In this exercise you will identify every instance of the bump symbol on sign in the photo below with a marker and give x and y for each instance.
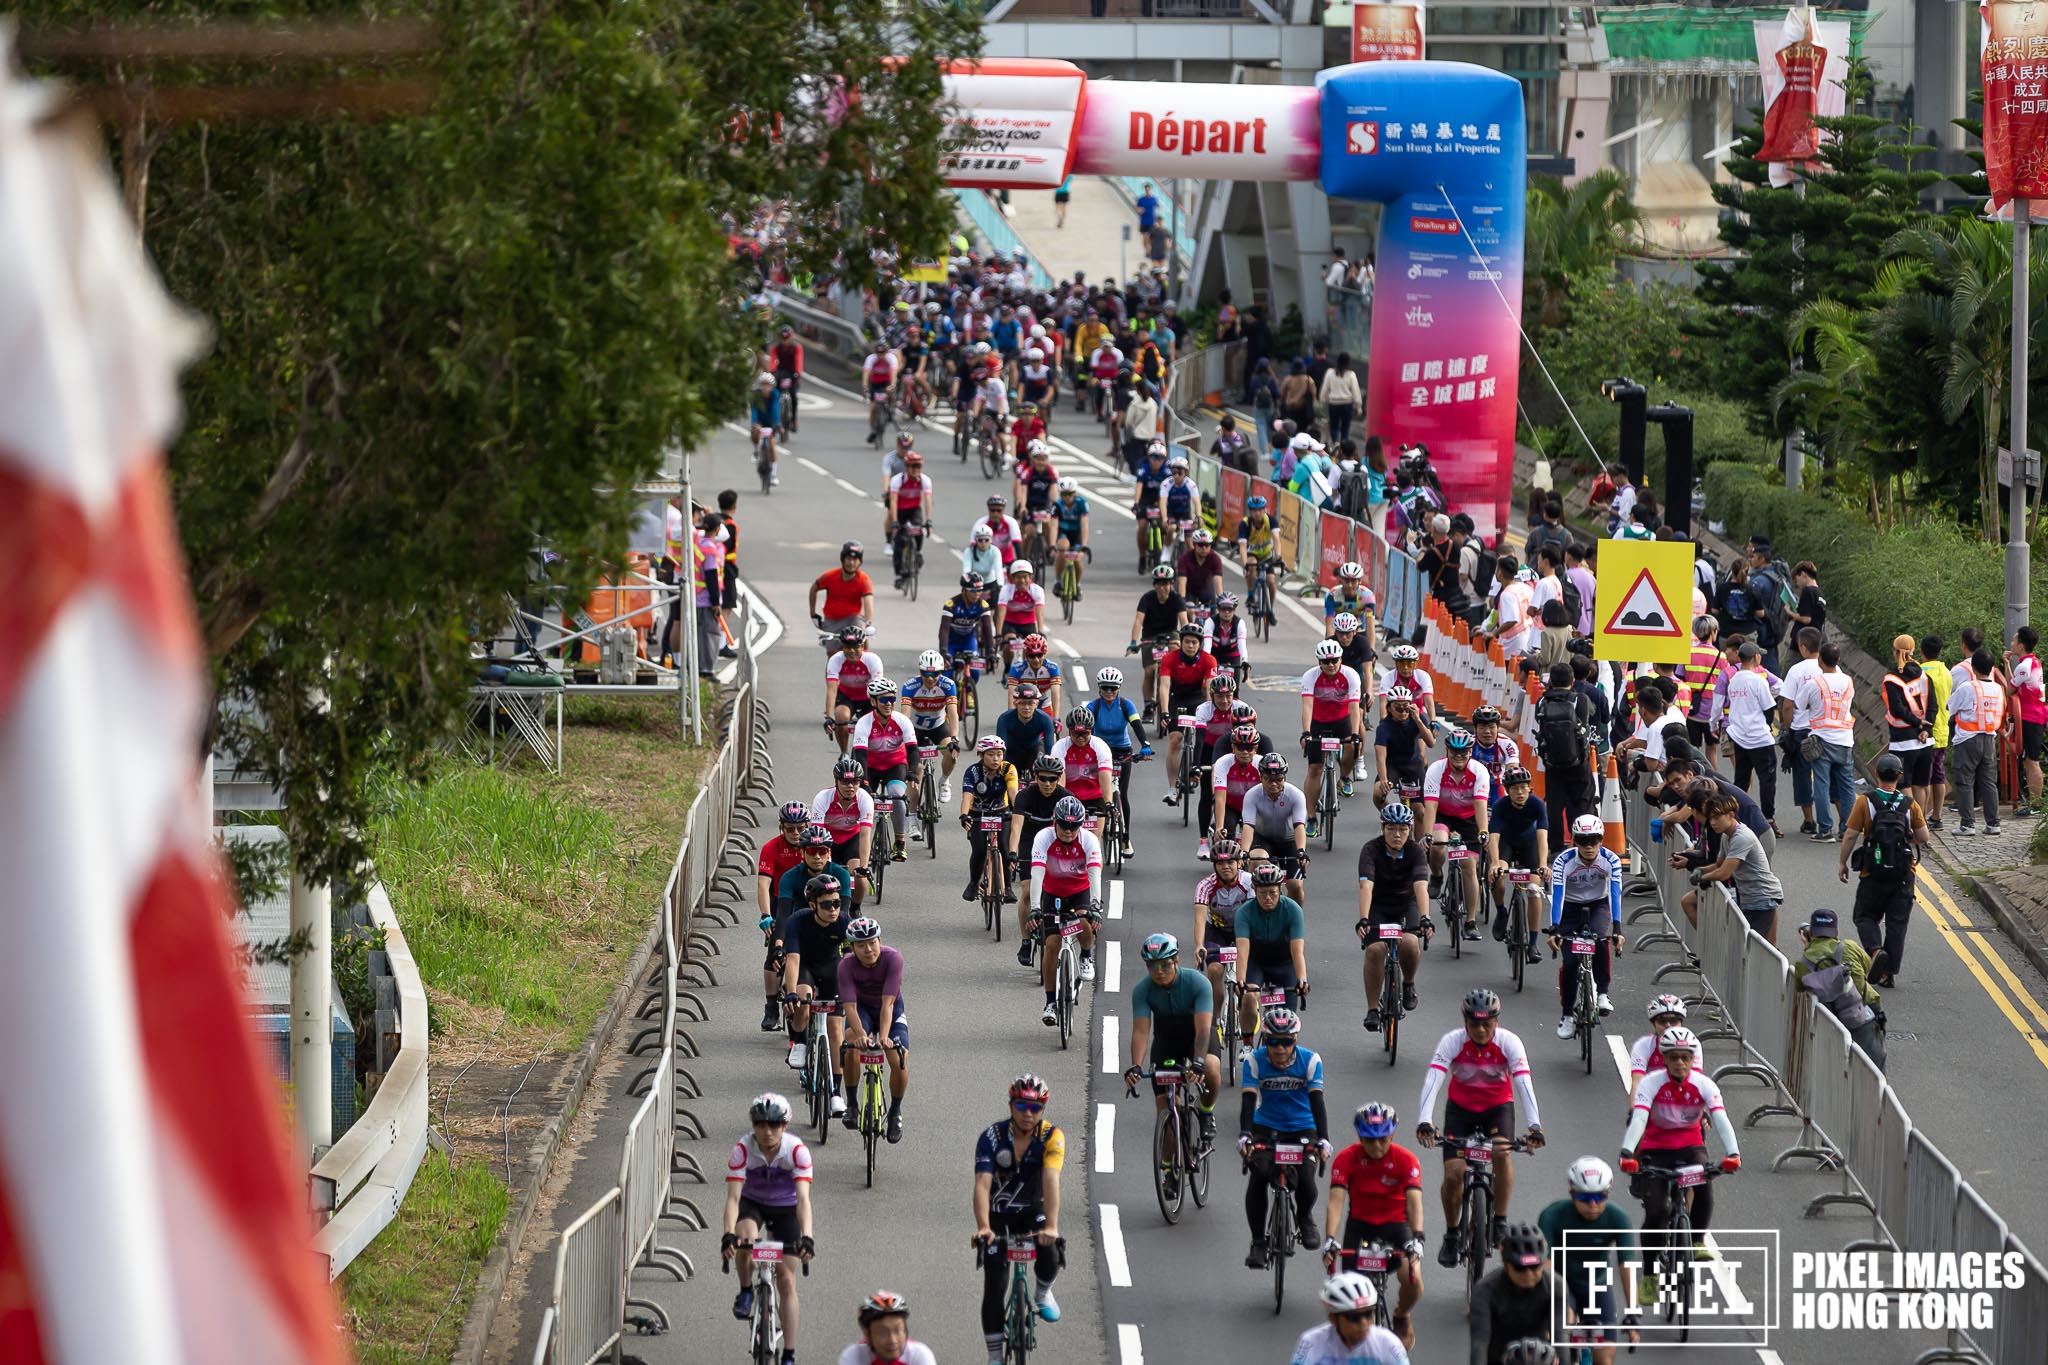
(1643, 610)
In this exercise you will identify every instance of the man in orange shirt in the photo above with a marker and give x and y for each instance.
(848, 592)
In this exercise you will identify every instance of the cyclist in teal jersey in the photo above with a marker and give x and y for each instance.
(1071, 512)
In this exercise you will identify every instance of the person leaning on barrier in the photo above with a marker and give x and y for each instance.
(1837, 972)
(1882, 842)
(1738, 860)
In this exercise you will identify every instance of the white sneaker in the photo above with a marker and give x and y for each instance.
(797, 1053)
(946, 792)
(838, 1105)
(1606, 1005)
(1051, 1016)
(774, 480)
(1087, 969)
(1358, 769)
(1048, 1306)
(917, 836)
(1202, 849)
(1566, 1029)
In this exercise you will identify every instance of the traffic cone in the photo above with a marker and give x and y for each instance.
(1613, 837)
(1496, 676)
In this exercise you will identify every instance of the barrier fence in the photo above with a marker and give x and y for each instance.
(1851, 1120)
(597, 1254)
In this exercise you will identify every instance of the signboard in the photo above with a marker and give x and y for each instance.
(1014, 125)
(1230, 504)
(926, 272)
(1804, 64)
(1286, 513)
(1386, 33)
(2013, 46)
(2005, 467)
(1206, 132)
(1336, 541)
(1643, 601)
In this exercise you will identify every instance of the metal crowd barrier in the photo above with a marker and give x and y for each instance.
(592, 1303)
(1851, 1120)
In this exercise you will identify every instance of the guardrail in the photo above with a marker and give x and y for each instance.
(362, 1179)
(826, 328)
(1851, 1120)
(592, 1301)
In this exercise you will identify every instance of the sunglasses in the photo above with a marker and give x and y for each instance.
(829, 905)
(1589, 1199)
(1026, 1106)
(1354, 1318)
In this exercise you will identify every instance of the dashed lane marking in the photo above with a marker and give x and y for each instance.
(1109, 1048)
(1116, 900)
(814, 466)
(1112, 966)
(1105, 1139)
(1130, 1348)
(1113, 1253)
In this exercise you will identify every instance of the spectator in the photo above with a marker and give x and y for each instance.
(1796, 723)
(1264, 396)
(1319, 364)
(1625, 495)
(710, 575)
(1140, 424)
(728, 508)
(1377, 497)
(1148, 209)
(1826, 696)
(1232, 448)
(1740, 862)
(1812, 608)
(1939, 684)
(1341, 396)
(1745, 716)
(1976, 708)
(1337, 275)
(1909, 730)
(1258, 340)
(1580, 572)
(1550, 531)
(1838, 974)
(2025, 669)
(1553, 644)
(1298, 394)
(1549, 585)
(1885, 833)
(1439, 562)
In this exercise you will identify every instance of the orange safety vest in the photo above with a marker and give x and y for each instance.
(1834, 704)
(1915, 693)
(1989, 713)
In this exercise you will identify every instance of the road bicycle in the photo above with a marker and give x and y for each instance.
(1327, 790)
(1120, 808)
(884, 845)
(764, 457)
(1521, 921)
(1288, 1159)
(1585, 1004)
(1389, 933)
(872, 1117)
(1180, 1164)
(1476, 1202)
(1020, 1304)
(994, 867)
(1038, 544)
(1259, 603)
(1067, 975)
(928, 812)
(907, 553)
(1155, 542)
(1376, 1263)
(1068, 587)
(881, 417)
(1671, 1266)
(764, 1325)
(1110, 829)
(816, 1076)
(1186, 767)
(1229, 1032)
(966, 692)
(988, 445)
(1455, 853)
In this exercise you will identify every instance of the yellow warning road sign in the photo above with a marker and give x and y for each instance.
(1642, 605)
(926, 272)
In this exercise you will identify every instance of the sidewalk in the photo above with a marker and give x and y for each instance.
(1092, 240)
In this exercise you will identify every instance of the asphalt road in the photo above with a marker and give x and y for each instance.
(1135, 1287)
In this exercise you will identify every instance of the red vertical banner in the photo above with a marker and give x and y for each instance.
(1336, 548)
(1230, 504)
(2014, 52)
(1789, 131)
(1386, 33)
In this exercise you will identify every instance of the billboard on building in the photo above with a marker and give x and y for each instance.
(1386, 33)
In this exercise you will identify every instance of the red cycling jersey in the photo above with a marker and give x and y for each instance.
(1378, 1190)
(1065, 866)
(778, 856)
(1675, 1109)
(882, 739)
(1232, 779)
(1331, 693)
(1184, 673)
(1458, 795)
(1085, 763)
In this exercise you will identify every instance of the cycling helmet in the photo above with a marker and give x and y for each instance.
(815, 836)
(1345, 623)
(848, 769)
(903, 440)
(911, 458)
(1268, 874)
(1162, 573)
(1080, 719)
(1069, 486)
(1160, 948)
(1245, 736)
(852, 547)
(1034, 353)
(1177, 462)
(1329, 649)
(1027, 692)
(852, 638)
(1201, 537)
(983, 535)
(765, 381)
(1515, 775)
(1405, 654)
(1255, 505)
(1273, 765)
(1190, 628)
(1158, 446)
(1486, 715)
(1020, 568)
(1349, 1292)
(1225, 601)
(1587, 827)
(1225, 851)
(1458, 741)
(1528, 1351)
(988, 744)
(1037, 334)
(931, 661)
(1522, 1246)
(863, 930)
(1282, 1022)
(1045, 765)
(1350, 570)
(885, 1303)
(1224, 683)
(822, 884)
(1109, 677)
(1677, 1038)
(795, 813)
(1069, 812)
(1589, 1175)
(1481, 1003)
(769, 1108)
(1029, 1087)
(1242, 713)
(1397, 814)
(881, 689)
(1037, 448)
(1375, 1120)
(1665, 1004)
(997, 500)
(1400, 694)
(1034, 643)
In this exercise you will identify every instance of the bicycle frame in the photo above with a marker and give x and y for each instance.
(1391, 983)
(871, 1062)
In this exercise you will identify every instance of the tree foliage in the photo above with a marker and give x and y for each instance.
(1570, 233)
(438, 339)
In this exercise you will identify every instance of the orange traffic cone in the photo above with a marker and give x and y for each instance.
(1613, 837)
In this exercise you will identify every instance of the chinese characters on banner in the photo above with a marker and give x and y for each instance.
(1803, 63)
(1438, 383)
(2015, 59)
(1386, 33)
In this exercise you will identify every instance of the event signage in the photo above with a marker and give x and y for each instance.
(2014, 53)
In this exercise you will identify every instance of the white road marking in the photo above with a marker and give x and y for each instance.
(1105, 1139)
(1109, 1049)
(1767, 1356)
(1112, 966)
(1130, 1349)
(814, 467)
(1620, 1051)
(1116, 900)
(1113, 1253)
(1724, 1278)
(854, 489)
(1063, 647)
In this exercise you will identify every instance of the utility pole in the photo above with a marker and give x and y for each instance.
(313, 1014)
(1795, 440)
(2016, 558)
(1173, 247)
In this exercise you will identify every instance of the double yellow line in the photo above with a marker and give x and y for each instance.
(2012, 998)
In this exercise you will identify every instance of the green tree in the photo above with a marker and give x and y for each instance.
(1607, 327)
(1572, 232)
(439, 339)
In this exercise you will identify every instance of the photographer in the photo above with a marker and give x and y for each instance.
(1741, 864)
(1837, 971)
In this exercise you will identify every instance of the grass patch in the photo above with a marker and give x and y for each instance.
(407, 1295)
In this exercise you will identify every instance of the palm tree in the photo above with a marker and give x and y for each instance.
(1831, 397)
(1574, 231)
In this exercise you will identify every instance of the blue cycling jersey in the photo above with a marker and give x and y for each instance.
(1070, 514)
(1180, 499)
(1113, 721)
(1283, 1091)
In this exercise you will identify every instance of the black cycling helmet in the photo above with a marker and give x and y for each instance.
(1522, 1246)
(1069, 812)
(1481, 1003)
(971, 582)
(1268, 874)
(852, 547)
(1273, 765)
(1245, 737)
(1486, 715)
(1243, 713)
(1515, 776)
(820, 885)
(1163, 573)
(1045, 765)
(815, 836)
(1080, 719)
(852, 637)
(848, 769)
(1188, 628)
(795, 813)
(1225, 850)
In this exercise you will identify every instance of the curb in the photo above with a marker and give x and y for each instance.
(2017, 927)
(497, 1268)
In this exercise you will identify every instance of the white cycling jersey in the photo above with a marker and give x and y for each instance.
(914, 1353)
(1322, 1346)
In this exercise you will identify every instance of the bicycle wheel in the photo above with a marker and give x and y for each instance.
(767, 1340)
(1230, 1043)
(822, 1078)
(1329, 811)
(1017, 1336)
(991, 458)
(970, 709)
(1390, 1010)
(871, 1120)
(766, 473)
(1280, 1240)
(1454, 908)
(1195, 1159)
(1587, 1028)
(1518, 938)
(1063, 996)
(928, 810)
(1478, 1225)
(1167, 1181)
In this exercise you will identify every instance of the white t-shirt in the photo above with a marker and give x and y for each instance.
(1625, 502)
(1795, 678)
(995, 395)
(1752, 697)
(914, 1353)
(1516, 635)
(1548, 590)
(1320, 1345)
(1826, 697)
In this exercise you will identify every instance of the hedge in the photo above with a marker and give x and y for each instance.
(1926, 579)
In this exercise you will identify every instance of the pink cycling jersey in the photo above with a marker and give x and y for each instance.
(1065, 866)
(1676, 1109)
(1330, 694)
(1085, 763)
(1457, 795)
(884, 738)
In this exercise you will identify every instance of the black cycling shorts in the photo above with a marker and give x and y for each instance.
(1466, 827)
(778, 1222)
(857, 704)
(1461, 1123)
(1173, 1039)
(1318, 730)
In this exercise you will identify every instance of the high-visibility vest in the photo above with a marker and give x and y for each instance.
(1706, 659)
(1915, 693)
(1835, 713)
(672, 535)
(1989, 711)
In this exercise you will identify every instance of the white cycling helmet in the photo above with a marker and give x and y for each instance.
(1021, 568)
(1589, 1175)
(1329, 649)
(1665, 1004)
(1349, 1292)
(1678, 1038)
(984, 535)
(931, 661)
(1588, 827)
(1036, 449)
(1350, 569)
(881, 689)
(1109, 677)
(1405, 654)
(1069, 486)
(1158, 446)
(1034, 354)
(1037, 332)
(1345, 621)
(769, 1108)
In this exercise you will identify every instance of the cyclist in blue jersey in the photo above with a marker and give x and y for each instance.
(1183, 500)
(1585, 898)
(934, 704)
(967, 623)
(1350, 597)
(1071, 512)
(1119, 725)
(1150, 474)
(1282, 1086)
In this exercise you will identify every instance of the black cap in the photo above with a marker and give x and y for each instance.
(1823, 924)
(1889, 765)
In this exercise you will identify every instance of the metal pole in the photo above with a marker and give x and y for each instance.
(313, 1016)
(1795, 441)
(2016, 603)
(686, 581)
(1173, 247)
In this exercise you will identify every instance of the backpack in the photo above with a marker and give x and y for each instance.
(1771, 590)
(1887, 851)
(1834, 987)
(1574, 603)
(1560, 738)
(1482, 570)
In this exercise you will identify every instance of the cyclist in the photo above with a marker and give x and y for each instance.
(1232, 777)
(1037, 375)
(1002, 529)
(1070, 514)
(1489, 746)
(1455, 793)
(1028, 432)
(1017, 1163)
(1037, 483)
(886, 750)
(1182, 502)
(1038, 670)
(965, 621)
(811, 941)
(990, 786)
(847, 675)
(788, 355)
(1116, 722)
(1585, 898)
(878, 380)
(1217, 898)
(871, 997)
(1666, 1012)
(1349, 1337)
(1330, 700)
(885, 1334)
(1393, 888)
(1518, 839)
(934, 703)
(1066, 883)
(1183, 674)
(913, 390)
(1399, 743)
(1350, 598)
(1026, 731)
(1225, 637)
(912, 511)
(1105, 363)
(1282, 1089)
(992, 400)
(1271, 948)
(1484, 1070)
(768, 1191)
(1034, 806)
(1160, 615)
(980, 560)
(790, 893)
(1148, 475)
(1274, 822)
(1358, 657)
(1199, 570)
(1018, 606)
(1512, 1304)
(846, 809)
(764, 412)
(1404, 673)
(1210, 737)
(1089, 766)
(778, 855)
(1255, 536)
(967, 369)
(1376, 1200)
(1664, 1133)
(1173, 1011)
(1596, 1236)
